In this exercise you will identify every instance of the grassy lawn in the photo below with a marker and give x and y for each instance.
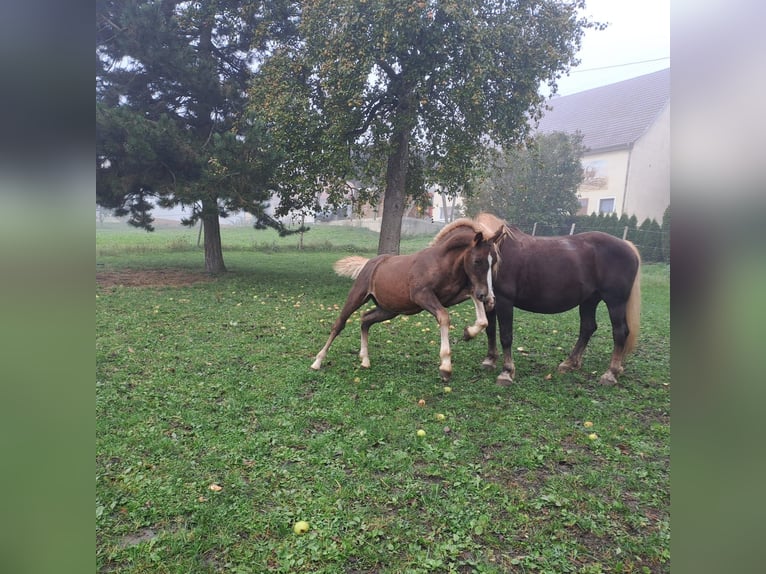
(214, 436)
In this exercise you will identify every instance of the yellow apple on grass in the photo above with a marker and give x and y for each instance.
(301, 527)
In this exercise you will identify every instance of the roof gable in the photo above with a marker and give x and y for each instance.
(611, 116)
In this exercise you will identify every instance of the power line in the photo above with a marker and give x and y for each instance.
(620, 65)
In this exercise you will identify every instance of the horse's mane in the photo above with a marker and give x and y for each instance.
(486, 224)
(463, 222)
(489, 224)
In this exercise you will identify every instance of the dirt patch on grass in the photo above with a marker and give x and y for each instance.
(150, 278)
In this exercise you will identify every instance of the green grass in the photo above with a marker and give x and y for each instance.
(119, 239)
(210, 384)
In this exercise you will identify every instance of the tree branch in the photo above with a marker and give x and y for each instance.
(370, 116)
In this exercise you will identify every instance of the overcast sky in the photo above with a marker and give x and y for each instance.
(638, 31)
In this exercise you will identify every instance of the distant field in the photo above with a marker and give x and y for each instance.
(214, 436)
(118, 238)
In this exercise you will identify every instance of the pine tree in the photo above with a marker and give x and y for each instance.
(172, 128)
(666, 235)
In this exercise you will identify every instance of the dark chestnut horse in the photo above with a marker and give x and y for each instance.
(555, 274)
(455, 266)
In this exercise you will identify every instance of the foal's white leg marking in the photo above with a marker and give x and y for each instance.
(481, 314)
(444, 351)
(363, 350)
(317, 364)
(481, 319)
(491, 294)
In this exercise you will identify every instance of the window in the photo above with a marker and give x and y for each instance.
(583, 209)
(606, 205)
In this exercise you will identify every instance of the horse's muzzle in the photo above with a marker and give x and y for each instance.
(489, 301)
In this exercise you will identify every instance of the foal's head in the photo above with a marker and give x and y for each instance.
(478, 264)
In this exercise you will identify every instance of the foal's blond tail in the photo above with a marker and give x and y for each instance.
(350, 266)
(633, 310)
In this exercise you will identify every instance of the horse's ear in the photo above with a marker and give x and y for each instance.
(500, 235)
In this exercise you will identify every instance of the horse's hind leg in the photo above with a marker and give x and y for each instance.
(371, 317)
(356, 298)
(620, 336)
(587, 328)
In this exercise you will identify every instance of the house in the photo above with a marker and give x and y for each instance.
(626, 131)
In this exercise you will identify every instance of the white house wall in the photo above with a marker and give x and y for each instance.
(604, 179)
(648, 190)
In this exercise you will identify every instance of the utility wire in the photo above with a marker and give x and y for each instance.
(619, 65)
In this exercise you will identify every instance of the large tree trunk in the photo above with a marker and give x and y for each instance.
(212, 227)
(393, 200)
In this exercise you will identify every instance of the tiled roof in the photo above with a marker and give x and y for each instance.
(612, 116)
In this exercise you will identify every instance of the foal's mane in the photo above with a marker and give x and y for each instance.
(486, 223)
(490, 223)
(462, 223)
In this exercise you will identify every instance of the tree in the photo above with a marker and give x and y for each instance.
(366, 89)
(171, 122)
(666, 235)
(533, 183)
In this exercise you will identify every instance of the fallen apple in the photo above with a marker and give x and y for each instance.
(301, 527)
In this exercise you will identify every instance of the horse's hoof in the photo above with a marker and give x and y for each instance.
(565, 367)
(489, 364)
(504, 379)
(445, 375)
(608, 379)
(467, 334)
(316, 365)
(366, 363)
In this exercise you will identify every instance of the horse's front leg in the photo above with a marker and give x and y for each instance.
(445, 353)
(504, 312)
(481, 321)
(490, 361)
(428, 301)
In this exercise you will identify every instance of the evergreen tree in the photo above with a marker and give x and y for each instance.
(172, 128)
(533, 183)
(655, 241)
(666, 235)
(644, 241)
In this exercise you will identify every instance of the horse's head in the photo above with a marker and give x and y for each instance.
(479, 266)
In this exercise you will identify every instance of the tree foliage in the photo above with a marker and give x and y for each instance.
(172, 126)
(535, 182)
(365, 89)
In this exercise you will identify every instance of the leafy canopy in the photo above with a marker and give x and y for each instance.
(533, 183)
(453, 75)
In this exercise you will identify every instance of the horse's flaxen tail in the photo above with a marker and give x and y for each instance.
(350, 266)
(633, 310)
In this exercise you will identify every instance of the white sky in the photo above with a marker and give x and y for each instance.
(639, 30)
